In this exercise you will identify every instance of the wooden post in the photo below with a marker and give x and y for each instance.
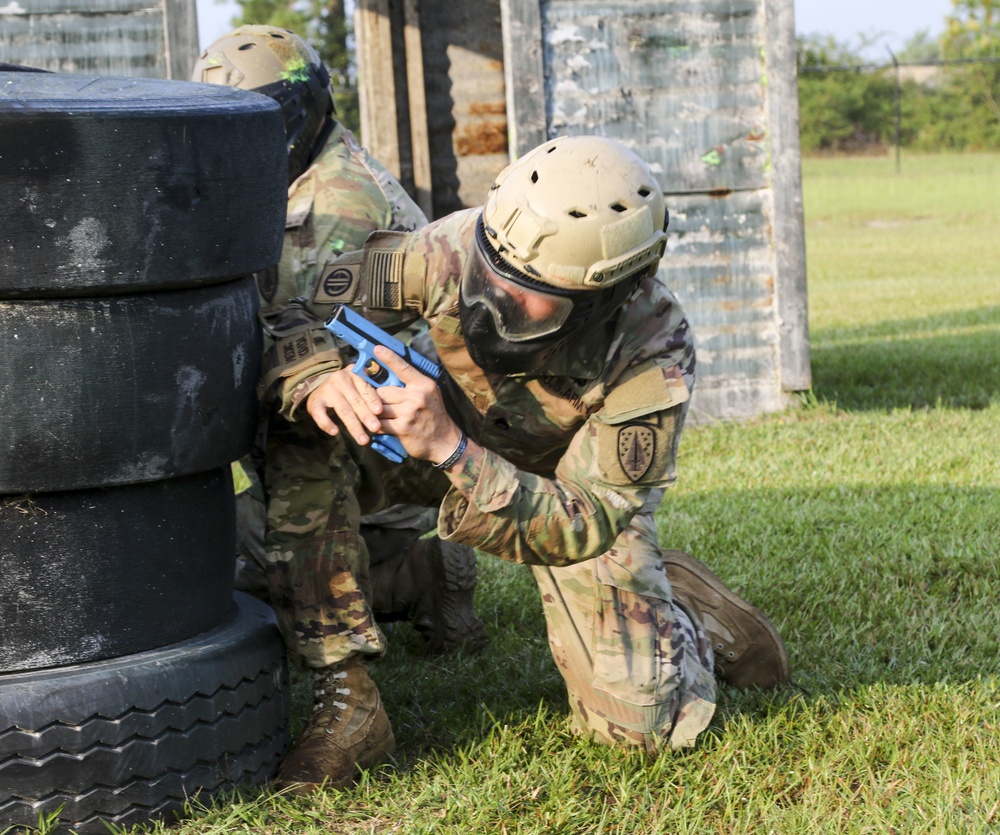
(180, 37)
(376, 82)
(391, 92)
(786, 188)
(419, 137)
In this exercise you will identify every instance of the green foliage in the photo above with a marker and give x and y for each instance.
(970, 97)
(955, 108)
(324, 24)
(973, 29)
(961, 113)
(919, 47)
(841, 109)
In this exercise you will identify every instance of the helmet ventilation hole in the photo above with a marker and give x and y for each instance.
(245, 46)
(534, 176)
(577, 213)
(618, 207)
(644, 192)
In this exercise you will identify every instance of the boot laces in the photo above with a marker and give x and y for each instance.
(326, 706)
(721, 651)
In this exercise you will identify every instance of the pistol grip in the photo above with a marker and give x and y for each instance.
(389, 446)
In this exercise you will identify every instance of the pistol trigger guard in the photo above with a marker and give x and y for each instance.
(360, 366)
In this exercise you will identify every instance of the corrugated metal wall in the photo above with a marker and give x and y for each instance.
(131, 38)
(704, 91)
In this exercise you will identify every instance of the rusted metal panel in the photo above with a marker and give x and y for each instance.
(108, 44)
(704, 91)
(720, 264)
(129, 38)
(691, 86)
(66, 6)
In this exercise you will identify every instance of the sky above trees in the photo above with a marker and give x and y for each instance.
(888, 22)
(883, 22)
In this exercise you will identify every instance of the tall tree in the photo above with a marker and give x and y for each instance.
(325, 25)
(973, 29)
(974, 33)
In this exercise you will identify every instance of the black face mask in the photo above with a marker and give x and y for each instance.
(496, 355)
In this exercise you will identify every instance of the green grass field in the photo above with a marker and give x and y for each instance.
(865, 523)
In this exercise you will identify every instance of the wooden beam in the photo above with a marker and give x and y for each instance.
(524, 75)
(180, 37)
(376, 82)
(786, 189)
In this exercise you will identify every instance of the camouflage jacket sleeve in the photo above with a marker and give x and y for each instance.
(332, 208)
(342, 198)
(613, 464)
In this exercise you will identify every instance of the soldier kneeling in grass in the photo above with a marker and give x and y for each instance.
(549, 439)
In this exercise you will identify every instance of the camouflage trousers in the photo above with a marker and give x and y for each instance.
(637, 665)
(636, 662)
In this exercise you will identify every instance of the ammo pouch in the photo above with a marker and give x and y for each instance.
(301, 347)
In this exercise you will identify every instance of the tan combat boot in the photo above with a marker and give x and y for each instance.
(748, 650)
(348, 730)
(432, 584)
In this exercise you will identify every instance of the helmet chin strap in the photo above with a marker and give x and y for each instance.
(325, 129)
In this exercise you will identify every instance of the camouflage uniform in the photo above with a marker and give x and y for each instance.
(341, 198)
(577, 459)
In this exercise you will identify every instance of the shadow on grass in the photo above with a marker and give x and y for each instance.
(873, 588)
(437, 702)
(893, 366)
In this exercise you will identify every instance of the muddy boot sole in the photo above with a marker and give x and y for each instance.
(349, 730)
(447, 618)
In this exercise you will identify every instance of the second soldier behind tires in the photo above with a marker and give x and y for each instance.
(338, 194)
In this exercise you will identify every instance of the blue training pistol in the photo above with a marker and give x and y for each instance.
(363, 336)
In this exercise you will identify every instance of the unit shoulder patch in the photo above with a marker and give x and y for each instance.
(636, 450)
(337, 283)
(636, 430)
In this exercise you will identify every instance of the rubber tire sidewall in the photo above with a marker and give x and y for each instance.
(125, 389)
(94, 574)
(132, 739)
(122, 184)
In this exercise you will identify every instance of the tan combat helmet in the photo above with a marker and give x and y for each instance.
(567, 236)
(580, 213)
(279, 64)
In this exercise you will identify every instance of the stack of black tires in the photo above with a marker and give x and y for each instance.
(132, 214)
